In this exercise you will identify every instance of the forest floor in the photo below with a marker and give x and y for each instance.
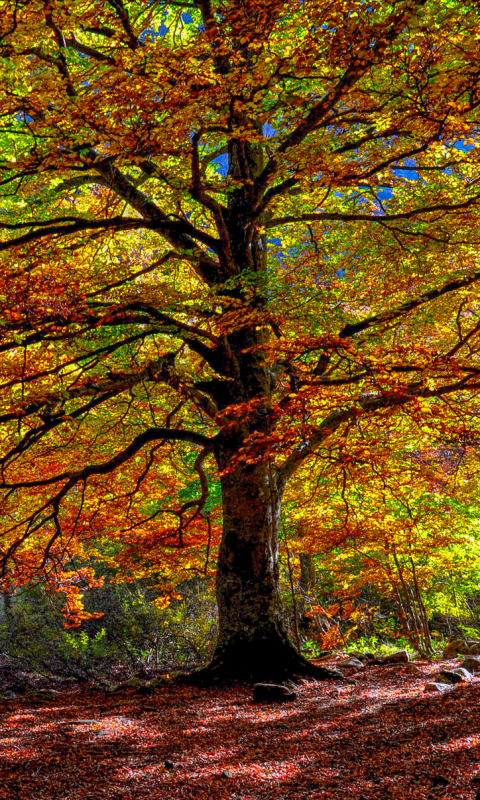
(380, 737)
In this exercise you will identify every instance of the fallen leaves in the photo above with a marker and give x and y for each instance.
(379, 738)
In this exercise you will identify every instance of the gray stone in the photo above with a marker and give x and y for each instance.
(471, 663)
(360, 656)
(43, 694)
(464, 673)
(471, 647)
(439, 678)
(399, 657)
(412, 669)
(453, 648)
(155, 683)
(352, 662)
(272, 693)
(227, 773)
(132, 683)
(452, 676)
(434, 686)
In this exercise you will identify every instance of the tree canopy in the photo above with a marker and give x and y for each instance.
(239, 243)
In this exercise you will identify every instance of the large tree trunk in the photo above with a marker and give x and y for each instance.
(253, 644)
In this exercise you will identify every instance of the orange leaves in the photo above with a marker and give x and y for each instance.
(67, 582)
(302, 287)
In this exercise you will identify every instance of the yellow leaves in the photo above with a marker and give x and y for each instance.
(161, 602)
(292, 368)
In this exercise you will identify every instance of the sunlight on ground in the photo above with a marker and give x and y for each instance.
(382, 737)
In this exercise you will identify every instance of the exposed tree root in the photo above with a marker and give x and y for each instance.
(232, 667)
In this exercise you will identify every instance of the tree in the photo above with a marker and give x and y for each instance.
(399, 520)
(235, 234)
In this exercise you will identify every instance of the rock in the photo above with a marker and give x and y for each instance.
(227, 773)
(155, 683)
(469, 648)
(132, 683)
(272, 693)
(146, 690)
(471, 663)
(452, 648)
(442, 679)
(351, 662)
(140, 687)
(399, 657)
(464, 674)
(168, 764)
(452, 676)
(412, 669)
(434, 686)
(43, 694)
(360, 656)
(332, 674)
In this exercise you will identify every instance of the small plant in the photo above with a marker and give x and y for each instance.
(471, 633)
(311, 649)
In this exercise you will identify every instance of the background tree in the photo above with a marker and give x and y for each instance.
(401, 521)
(235, 236)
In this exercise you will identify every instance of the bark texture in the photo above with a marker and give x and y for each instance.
(253, 644)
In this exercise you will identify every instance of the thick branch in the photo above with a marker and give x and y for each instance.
(325, 429)
(122, 14)
(48, 229)
(180, 233)
(365, 404)
(150, 435)
(410, 305)
(379, 218)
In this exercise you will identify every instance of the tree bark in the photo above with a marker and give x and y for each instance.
(253, 644)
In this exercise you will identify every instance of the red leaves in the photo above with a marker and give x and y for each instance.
(379, 738)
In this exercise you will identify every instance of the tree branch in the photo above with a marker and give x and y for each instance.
(355, 70)
(122, 14)
(452, 286)
(378, 218)
(49, 229)
(150, 435)
(86, 50)
(367, 404)
(179, 233)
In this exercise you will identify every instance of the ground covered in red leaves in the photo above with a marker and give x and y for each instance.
(381, 737)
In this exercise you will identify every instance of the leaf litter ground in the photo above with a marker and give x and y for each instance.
(381, 737)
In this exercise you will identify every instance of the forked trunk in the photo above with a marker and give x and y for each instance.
(253, 643)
